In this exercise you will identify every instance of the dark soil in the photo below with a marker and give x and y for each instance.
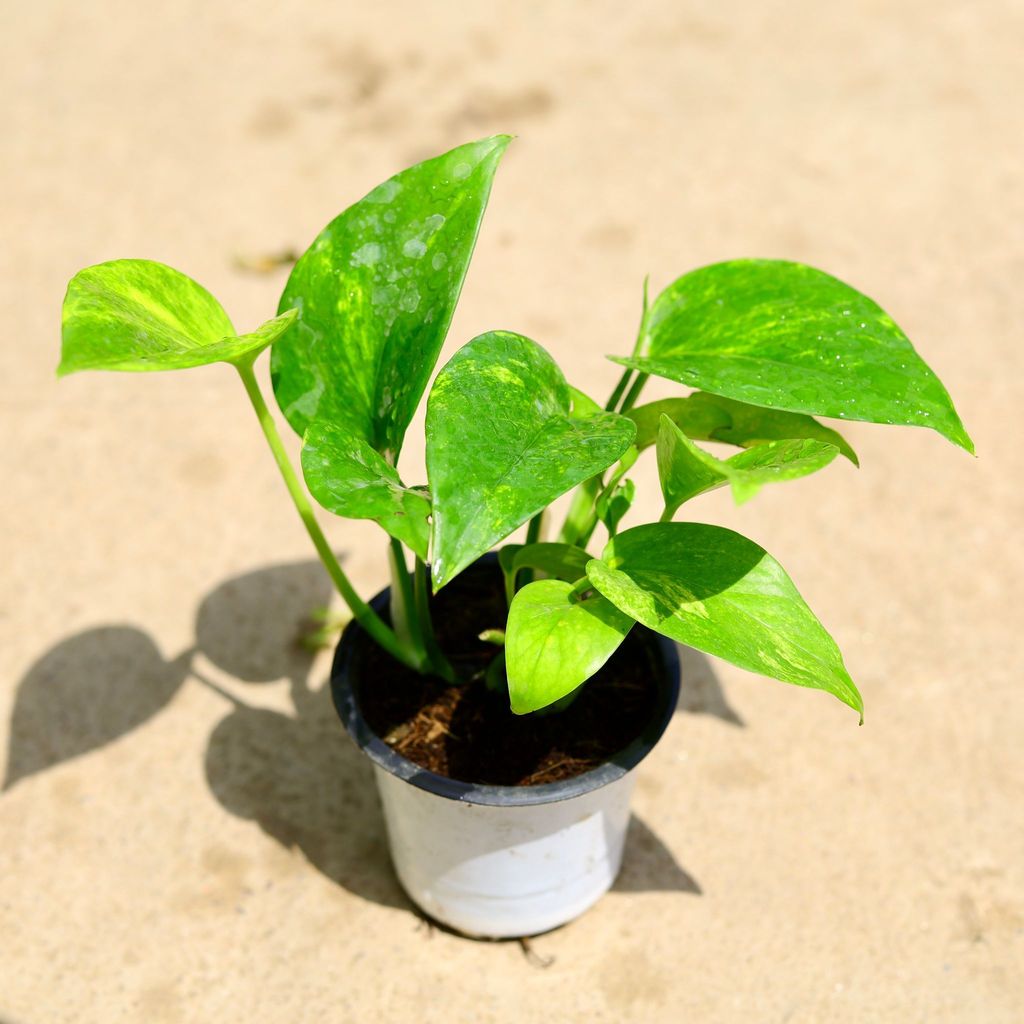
(467, 732)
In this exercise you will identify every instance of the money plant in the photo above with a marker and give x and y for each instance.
(760, 348)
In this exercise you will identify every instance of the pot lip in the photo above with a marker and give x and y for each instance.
(393, 763)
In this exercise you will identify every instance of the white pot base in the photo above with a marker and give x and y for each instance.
(505, 871)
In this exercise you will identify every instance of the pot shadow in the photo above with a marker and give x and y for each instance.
(649, 866)
(307, 787)
(297, 775)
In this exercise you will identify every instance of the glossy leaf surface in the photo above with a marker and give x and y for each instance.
(350, 479)
(137, 315)
(721, 593)
(554, 641)
(685, 470)
(786, 336)
(502, 445)
(376, 292)
(704, 417)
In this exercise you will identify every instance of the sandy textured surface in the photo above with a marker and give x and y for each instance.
(186, 836)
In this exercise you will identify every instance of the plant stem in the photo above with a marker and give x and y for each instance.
(634, 392)
(439, 664)
(361, 611)
(619, 389)
(404, 619)
(534, 533)
(580, 509)
(536, 528)
(581, 519)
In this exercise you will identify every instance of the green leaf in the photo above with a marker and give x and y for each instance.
(614, 503)
(555, 641)
(139, 315)
(376, 292)
(350, 479)
(714, 590)
(583, 406)
(563, 561)
(501, 445)
(686, 470)
(695, 420)
(507, 557)
(786, 336)
(704, 417)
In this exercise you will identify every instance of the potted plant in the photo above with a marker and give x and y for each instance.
(506, 698)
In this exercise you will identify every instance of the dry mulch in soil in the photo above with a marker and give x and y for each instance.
(467, 732)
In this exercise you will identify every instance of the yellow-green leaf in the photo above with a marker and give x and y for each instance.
(137, 315)
(786, 336)
(556, 640)
(721, 593)
(376, 292)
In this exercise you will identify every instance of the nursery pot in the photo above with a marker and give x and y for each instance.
(503, 861)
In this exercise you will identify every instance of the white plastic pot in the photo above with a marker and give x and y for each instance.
(503, 861)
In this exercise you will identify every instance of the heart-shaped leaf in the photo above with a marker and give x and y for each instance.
(704, 417)
(350, 479)
(686, 470)
(787, 336)
(712, 589)
(376, 292)
(554, 641)
(502, 445)
(139, 315)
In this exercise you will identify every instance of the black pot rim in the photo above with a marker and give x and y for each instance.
(343, 694)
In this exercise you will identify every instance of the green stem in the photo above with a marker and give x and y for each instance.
(404, 619)
(580, 521)
(534, 533)
(536, 528)
(580, 509)
(634, 392)
(361, 611)
(439, 664)
(619, 389)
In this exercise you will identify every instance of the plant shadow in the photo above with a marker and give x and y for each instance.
(296, 775)
(87, 691)
(700, 690)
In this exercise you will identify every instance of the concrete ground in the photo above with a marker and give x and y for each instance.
(186, 835)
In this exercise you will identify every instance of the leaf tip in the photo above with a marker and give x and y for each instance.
(856, 702)
(955, 432)
(963, 440)
(743, 492)
(492, 146)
